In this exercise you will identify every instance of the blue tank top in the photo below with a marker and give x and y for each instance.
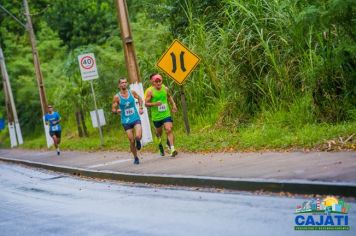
(50, 118)
(128, 109)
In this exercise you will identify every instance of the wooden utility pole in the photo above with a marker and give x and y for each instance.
(36, 60)
(131, 64)
(126, 36)
(7, 86)
(10, 116)
(10, 103)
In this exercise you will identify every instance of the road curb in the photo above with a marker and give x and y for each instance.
(298, 187)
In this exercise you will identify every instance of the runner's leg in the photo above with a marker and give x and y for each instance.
(58, 142)
(130, 136)
(168, 145)
(138, 136)
(159, 132)
(55, 140)
(168, 126)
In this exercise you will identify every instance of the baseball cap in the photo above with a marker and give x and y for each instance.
(156, 77)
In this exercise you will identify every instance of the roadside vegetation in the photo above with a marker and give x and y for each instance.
(274, 75)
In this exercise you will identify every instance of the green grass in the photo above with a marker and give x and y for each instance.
(277, 137)
(254, 137)
(290, 127)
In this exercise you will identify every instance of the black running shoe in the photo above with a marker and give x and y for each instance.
(161, 150)
(136, 161)
(138, 144)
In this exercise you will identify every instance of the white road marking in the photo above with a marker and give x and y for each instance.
(110, 163)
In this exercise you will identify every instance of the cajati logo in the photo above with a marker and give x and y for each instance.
(327, 214)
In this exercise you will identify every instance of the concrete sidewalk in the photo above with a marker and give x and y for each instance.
(296, 172)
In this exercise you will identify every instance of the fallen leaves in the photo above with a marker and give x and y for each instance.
(339, 144)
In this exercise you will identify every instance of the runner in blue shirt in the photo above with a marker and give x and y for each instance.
(52, 119)
(124, 104)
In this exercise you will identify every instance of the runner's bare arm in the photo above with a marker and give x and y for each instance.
(171, 101)
(115, 105)
(140, 102)
(148, 98)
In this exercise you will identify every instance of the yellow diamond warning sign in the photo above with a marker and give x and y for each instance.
(178, 61)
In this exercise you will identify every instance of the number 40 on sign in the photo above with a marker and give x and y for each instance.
(87, 65)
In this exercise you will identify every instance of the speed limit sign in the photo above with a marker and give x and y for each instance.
(87, 65)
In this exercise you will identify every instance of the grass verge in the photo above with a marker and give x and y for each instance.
(255, 137)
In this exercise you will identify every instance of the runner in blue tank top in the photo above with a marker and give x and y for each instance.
(124, 104)
(52, 118)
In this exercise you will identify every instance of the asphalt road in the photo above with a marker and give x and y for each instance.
(36, 202)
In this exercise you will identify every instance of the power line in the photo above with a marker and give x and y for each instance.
(14, 17)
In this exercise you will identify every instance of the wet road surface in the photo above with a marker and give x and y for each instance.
(37, 202)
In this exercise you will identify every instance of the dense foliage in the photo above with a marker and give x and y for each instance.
(291, 61)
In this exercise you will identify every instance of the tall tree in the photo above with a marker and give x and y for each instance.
(82, 22)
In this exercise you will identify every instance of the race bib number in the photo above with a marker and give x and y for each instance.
(162, 108)
(55, 128)
(129, 112)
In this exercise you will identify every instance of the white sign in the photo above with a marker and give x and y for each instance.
(87, 65)
(12, 133)
(48, 137)
(101, 118)
(15, 134)
(145, 122)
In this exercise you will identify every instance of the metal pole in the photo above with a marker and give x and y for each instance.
(36, 60)
(126, 36)
(10, 96)
(97, 114)
(185, 112)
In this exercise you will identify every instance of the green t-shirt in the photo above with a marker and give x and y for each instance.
(159, 112)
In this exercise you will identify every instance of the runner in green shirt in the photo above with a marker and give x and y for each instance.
(157, 97)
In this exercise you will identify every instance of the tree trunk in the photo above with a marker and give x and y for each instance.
(77, 118)
(85, 131)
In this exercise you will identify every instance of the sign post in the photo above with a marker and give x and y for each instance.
(178, 62)
(88, 70)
